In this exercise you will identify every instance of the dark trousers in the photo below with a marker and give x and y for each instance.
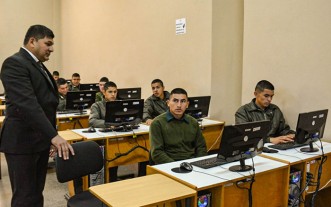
(27, 173)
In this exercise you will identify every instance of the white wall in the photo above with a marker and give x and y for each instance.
(289, 44)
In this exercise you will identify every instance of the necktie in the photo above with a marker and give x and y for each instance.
(44, 71)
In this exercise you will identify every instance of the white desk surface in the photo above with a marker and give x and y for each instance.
(293, 156)
(203, 178)
(73, 115)
(143, 129)
(208, 122)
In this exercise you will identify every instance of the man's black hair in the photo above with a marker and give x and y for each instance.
(60, 81)
(75, 75)
(109, 84)
(178, 91)
(56, 73)
(104, 79)
(264, 84)
(157, 81)
(38, 32)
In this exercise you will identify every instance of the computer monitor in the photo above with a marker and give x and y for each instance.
(310, 127)
(124, 112)
(242, 141)
(89, 87)
(128, 93)
(198, 107)
(79, 100)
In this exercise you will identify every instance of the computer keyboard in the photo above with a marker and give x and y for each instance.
(119, 128)
(209, 162)
(286, 146)
(70, 111)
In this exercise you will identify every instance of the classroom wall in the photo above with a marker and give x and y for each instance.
(229, 46)
(227, 41)
(17, 16)
(133, 42)
(289, 43)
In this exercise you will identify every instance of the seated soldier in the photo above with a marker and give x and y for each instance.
(261, 108)
(156, 104)
(56, 75)
(98, 109)
(175, 135)
(62, 87)
(99, 96)
(75, 82)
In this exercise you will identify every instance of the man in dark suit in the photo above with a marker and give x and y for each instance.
(28, 134)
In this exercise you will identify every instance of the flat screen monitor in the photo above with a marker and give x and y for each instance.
(124, 112)
(79, 100)
(128, 93)
(242, 141)
(89, 87)
(198, 107)
(310, 127)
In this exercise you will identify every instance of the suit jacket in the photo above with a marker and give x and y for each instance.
(31, 101)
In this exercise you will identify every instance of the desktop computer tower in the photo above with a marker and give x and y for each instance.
(204, 199)
(294, 188)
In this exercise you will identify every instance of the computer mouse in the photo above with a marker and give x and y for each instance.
(186, 166)
(91, 129)
(268, 150)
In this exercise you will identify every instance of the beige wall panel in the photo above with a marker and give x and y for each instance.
(289, 43)
(132, 42)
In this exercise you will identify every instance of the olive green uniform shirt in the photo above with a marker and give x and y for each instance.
(172, 139)
(62, 103)
(251, 112)
(97, 115)
(155, 106)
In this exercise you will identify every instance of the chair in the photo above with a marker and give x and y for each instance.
(87, 159)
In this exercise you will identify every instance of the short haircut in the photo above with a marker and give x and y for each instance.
(157, 81)
(56, 73)
(104, 79)
(75, 75)
(38, 32)
(109, 84)
(178, 91)
(60, 82)
(264, 84)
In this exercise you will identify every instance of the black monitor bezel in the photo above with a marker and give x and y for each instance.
(304, 133)
(71, 97)
(126, 91)
(85, 87)
(112, 107)
(252, 132)
(203, 109)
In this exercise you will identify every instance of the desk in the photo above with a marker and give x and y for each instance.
(72, 121)
(307, 162)
(222, 183)
(70, 136)
(117, 143)
(2, 109)
(149, 190)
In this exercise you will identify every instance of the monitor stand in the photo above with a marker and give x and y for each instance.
(310, 148)
(242, 167)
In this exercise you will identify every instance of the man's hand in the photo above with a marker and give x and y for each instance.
(62, 146)
(282, 139)
(149, 121)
